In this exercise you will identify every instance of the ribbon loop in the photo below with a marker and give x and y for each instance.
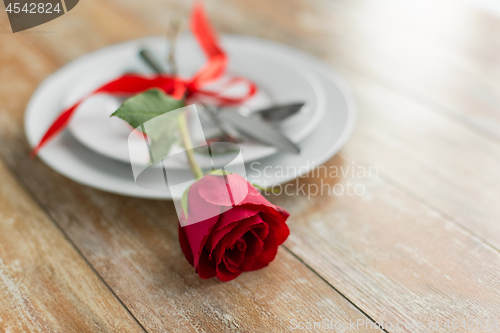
(130, 84)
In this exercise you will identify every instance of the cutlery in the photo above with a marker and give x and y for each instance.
(273, 114)
(258, 130)
(228, 133)
(251, 127)
(150, 60)
(277, 113)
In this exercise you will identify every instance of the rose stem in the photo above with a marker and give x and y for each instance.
(172, 34)
(188, 146)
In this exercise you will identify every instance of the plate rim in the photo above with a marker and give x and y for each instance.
(312, 78)
(326, 70)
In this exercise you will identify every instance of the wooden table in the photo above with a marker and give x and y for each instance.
(420, 245)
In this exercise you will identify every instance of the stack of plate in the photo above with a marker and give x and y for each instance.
(94, 149)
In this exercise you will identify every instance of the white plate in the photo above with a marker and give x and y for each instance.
(280, 80)
(68, 157)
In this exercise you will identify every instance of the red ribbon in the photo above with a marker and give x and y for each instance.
(130, 84)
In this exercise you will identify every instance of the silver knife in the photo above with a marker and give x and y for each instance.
(258, 130)
(277, 113)
(251, 127)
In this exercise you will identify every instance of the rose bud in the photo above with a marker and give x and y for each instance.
(224, 235)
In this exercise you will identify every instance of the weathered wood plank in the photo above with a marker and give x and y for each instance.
(45, 285)
(133, 244)
(437, 160)
(440, 52)
(403, 276)
(396, 259)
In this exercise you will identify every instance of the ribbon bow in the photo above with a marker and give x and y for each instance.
(175, 86)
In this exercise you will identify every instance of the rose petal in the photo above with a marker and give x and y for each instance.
(261, 232)
(246, 264)
(268, 253)
(224, 274)
(254, 244)
(206, 268)
(199, 208)
(186, 248)
(228, 238)
(226, 190)
(227, 221)
(236, 214)
(245, 237)
(197, 235)
(238, 187)
(211, 189)
(278, 225)
(230, 267)
(241, 245)
(236, 255)
(256, 199)
(217, 234)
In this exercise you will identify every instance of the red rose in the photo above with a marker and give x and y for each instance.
(242, 238)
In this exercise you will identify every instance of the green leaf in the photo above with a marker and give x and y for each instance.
(145, 106)
(184, 202)
(163, 135)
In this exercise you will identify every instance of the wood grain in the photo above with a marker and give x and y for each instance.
(396, 259)
(438, 161)
(45, 285)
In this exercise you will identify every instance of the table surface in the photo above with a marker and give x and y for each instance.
(420, 245)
